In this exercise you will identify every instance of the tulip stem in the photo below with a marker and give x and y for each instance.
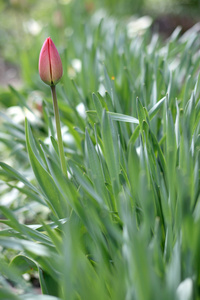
(58, 129)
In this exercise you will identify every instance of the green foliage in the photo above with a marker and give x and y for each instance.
(125, 224)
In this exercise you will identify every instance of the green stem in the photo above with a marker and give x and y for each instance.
(58, 129)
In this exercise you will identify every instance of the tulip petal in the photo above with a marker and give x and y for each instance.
(55, 63)
(44, 63)
(50, 65)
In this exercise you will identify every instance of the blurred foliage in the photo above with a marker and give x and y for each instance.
(125, 224)
(25, 24)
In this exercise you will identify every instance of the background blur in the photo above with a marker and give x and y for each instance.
(24, 25)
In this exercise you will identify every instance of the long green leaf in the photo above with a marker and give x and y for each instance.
(111, 150)
(94, 168)
(44, 179)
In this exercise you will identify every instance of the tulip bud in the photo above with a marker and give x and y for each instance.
(50, 65)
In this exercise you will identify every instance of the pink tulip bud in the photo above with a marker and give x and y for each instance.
(50, 65)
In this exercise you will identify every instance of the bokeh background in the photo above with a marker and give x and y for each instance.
(24, 24)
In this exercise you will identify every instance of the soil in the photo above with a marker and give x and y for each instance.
(9, 74)
(166, 24)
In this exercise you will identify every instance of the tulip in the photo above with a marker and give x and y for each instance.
(50, 65)
(50, 70)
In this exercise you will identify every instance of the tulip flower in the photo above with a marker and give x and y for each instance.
(50, 70)
(50, 65)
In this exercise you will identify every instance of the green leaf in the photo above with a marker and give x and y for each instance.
(55, 145)
(118, 117)
(140, 112)
(160, 153)
(190, 115)
(49, 285)
(6, 294)
(20, 98)
(197, 88)
(94, 168)
(134, 136)
(98, 106)
(123, 118)
(24, 264)
(24, 245)
(109, 102)
(53, 196)
(111, 92)
(23, 229)
(153, 111)
(85, 183)
(16, 175)
(47, 118)
(26, 191)
(133, 169)
(108, 83)
(111, 150)
(13, 274)
(65, 187)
